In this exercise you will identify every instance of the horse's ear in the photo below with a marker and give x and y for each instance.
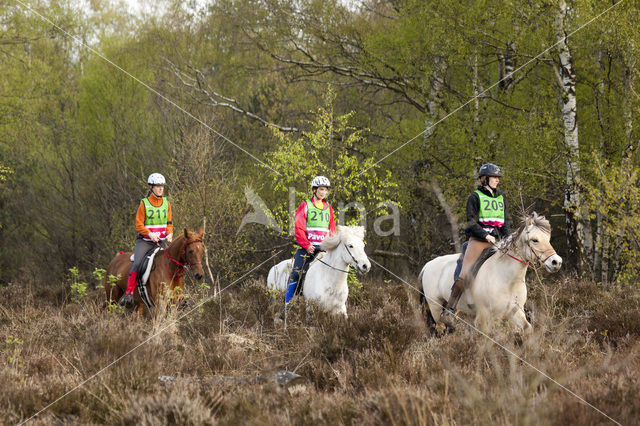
(528, 221)
(186, 233)
(200, 232)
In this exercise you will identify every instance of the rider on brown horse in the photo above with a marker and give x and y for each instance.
(487, 222)
(154, 225)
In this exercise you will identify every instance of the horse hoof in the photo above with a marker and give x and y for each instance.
(448, 319)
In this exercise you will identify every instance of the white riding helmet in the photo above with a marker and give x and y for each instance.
(320, 181)
(156, 179)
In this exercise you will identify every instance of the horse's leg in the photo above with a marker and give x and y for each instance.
(519, 320)
(114, 293)
(343, 311)
(482, 320)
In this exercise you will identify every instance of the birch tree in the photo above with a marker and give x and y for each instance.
(578, 230)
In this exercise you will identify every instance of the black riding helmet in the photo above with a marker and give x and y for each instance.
(490, 169)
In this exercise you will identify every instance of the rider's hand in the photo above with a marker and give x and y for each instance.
(311, 249)
(155, 236)
(169, 238)
(490, 238)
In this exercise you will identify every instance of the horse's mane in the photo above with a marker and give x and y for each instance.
(536, 220)
(332, 241)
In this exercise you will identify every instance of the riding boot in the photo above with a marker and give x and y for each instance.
(449, 310)
(127, 300)
(131, 282)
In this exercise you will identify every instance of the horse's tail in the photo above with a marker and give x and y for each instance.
(423, 298)
(431, 322)
(271, 279)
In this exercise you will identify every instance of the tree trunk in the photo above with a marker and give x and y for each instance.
(433, 103)
(578, 234)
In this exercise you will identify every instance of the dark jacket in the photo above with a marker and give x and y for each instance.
(473, 228)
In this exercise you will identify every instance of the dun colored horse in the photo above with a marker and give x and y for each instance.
(498, 290)
(184, 252)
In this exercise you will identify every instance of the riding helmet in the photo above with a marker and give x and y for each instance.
(320, 181)
(490, 169)
(156, 179)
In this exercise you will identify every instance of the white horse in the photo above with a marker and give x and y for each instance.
(326, 280)
(279, 275)
(498, 289)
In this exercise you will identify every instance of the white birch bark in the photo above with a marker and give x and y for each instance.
(433, 103)
(578, 228)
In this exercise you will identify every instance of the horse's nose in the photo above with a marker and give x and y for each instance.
(554, 263)
(198, 276)
(365, 267)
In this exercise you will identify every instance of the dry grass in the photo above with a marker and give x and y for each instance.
(378, 367)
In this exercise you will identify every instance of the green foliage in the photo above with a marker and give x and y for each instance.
(98, 275)
(331, 148)
(13, 354)
(78, 287)
(616, 197)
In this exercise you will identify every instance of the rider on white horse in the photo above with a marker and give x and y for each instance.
(314, 221)
(487, 222)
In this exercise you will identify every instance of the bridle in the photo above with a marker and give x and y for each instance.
(181, 266)
(535, 253)
(348, 264)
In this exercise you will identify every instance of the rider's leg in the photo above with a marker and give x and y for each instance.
(474, 249)
(305, 267)
(142, 247)
(296, 272)
(456, 274)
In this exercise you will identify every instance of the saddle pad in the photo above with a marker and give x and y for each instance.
(142, 288)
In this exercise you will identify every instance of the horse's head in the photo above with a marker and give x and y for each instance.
(533, 241)
(193, 252)
(350, 241)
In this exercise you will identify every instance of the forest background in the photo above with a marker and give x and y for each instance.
(398, 102)
(220, 97)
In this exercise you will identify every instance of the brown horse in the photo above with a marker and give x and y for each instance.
(168, 266)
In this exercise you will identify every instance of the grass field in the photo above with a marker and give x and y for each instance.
(378, 367)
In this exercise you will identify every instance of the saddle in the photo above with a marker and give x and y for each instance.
(146, 266)
(486, 254)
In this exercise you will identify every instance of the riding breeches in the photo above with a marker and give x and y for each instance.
(142, 248)
(474, 249)
(301, 263)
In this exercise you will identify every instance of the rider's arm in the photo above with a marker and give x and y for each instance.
(140, 217)
(169, 219)
(473, 228)
(505, 231)
(301, 226)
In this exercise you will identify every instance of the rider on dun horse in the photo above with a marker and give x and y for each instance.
(487, 222)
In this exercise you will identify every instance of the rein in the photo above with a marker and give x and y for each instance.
(539, 258)
(337, 269)
(181, 266)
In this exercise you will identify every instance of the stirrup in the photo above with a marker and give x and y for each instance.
(127, 301)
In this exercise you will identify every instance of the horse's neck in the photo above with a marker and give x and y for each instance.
(175, 250)
(507, 267)
(177, 247)
(333, 258)
(333, 275)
